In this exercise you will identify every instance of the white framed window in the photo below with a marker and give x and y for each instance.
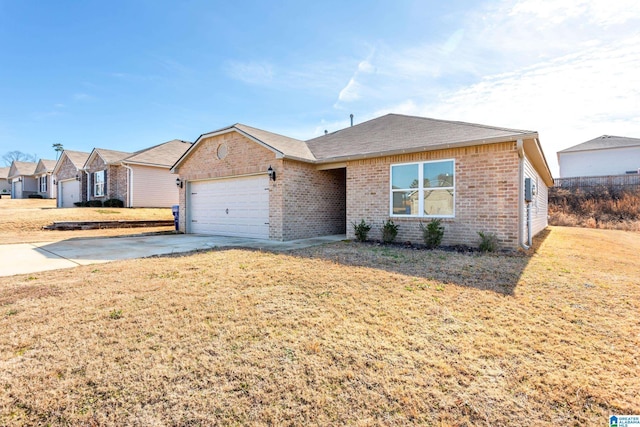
(98, 183)
(43, 184)
(423, 189)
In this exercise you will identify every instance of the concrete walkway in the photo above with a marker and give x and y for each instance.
(24, 258)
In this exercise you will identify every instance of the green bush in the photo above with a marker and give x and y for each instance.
(361, 230)
(432, 233)
(488, 242)
(389, 231)
(113, 203)
(93, 204)
(80, 204)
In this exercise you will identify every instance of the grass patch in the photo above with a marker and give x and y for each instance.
(333, 335)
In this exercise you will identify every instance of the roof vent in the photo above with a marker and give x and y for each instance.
(351, 115)
(326, 131)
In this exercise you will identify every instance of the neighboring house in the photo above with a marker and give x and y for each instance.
(603, 156)
(71, 181)
(106, 177)
(5, 186)
(44, 179)
(22, 179)
(150, 182)
(140, 179)
(243, 181)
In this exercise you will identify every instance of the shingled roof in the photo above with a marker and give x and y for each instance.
(78, 158)
(604, 142)
(111, 156)
(395, 133)
(164, 155)
(22, 169)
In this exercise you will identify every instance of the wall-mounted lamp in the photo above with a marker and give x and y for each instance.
(19, 179)
(179, 182)
(272, 173)
(55, 182)
(78, 177)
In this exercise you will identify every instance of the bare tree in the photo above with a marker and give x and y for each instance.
(18, 156)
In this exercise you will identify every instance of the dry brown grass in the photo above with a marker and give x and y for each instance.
(21, 220)
(340, 334)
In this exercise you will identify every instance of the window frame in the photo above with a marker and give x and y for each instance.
(421, 189)
(98, 184)
(43, 184)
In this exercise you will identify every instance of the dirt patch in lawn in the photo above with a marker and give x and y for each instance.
(341, 334)
(22, 220)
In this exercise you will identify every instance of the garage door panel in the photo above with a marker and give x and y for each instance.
(230, 207)
(70, 193)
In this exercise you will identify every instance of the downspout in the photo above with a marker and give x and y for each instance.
(526, 246)
(129, 186)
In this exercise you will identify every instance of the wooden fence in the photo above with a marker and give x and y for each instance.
(629, 180)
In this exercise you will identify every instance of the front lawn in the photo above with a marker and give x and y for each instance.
(340, 334)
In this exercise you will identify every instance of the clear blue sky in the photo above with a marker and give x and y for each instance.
(126, 75)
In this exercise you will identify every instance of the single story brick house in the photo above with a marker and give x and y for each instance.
(243, 181)
(71, 181)
(44, 179)
(140, 179)
(22, 179)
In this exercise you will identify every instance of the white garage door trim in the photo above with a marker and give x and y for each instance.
(70, 193)
(237, 207)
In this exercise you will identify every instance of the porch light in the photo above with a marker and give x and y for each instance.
(179, 182)
(77, 177)
(19, 179)
(272, 173)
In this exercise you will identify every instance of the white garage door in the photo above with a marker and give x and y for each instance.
(70, 193)
(230, 207)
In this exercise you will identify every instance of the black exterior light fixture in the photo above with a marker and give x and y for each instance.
(179, 182)
(272, 173)
(78, 177)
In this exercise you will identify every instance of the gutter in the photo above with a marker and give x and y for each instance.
(521, 215)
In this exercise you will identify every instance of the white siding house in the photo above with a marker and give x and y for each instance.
(603, 156)
(150, 183)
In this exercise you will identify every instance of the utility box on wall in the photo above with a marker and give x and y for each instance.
(529, 190)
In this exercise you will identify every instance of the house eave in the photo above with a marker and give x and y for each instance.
(460, 144)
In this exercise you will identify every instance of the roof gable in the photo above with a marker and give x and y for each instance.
(76, 158)
(604, 142)
(22, 169)
(282, 146)
(162, 155)
(4, 172)
(109, 157)
(45, 166)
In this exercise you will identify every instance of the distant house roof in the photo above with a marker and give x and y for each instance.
(604, 142)
(45, 166)
(108, 156)
(164, 155)
(4, 173)
(395, 133)
(22, 169)
(78, 158)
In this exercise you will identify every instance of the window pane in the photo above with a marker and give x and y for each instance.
(438, 202)
(438, 174)
(405, 202)
(404, 176)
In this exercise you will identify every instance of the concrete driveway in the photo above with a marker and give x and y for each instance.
(24, 258)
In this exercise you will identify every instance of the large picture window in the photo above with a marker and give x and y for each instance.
(98, 183)
(425, 189)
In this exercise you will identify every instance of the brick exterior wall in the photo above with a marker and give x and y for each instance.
(68, 170)
(244, 157)
(486, 194)
(116, 182)
(314, 202)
